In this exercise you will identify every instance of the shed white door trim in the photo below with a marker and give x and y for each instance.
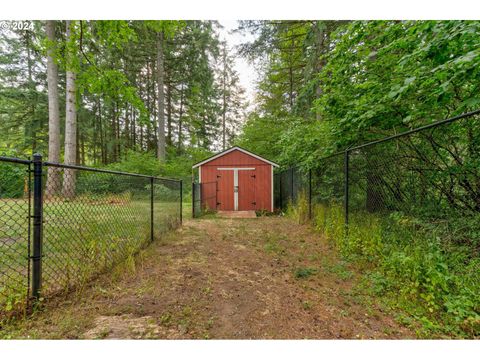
(235, 182)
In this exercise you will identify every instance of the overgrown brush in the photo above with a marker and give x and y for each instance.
(299, 210)
(410, 264)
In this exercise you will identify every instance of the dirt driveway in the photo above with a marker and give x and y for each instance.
(224, 278)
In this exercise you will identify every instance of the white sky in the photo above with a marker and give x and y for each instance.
(246, 71)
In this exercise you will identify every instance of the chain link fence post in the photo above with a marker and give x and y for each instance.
(181, 201)
(151, 209)
(37, 227)
(280, 191)
(193, 200)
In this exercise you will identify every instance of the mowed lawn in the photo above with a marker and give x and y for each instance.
(222, 278)
(81, 238)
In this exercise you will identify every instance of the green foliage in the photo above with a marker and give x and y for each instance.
(137, 163)
(325, 87)
(12, 181)
(111, 85)
(115, 33)
(163, 193)
(300, 210)
(180, 165)
(176, 166)
(329, 220)
(365, 80)
(414, 268)
(23, 98)
(115, 62)
(261, 135)
(168, 27)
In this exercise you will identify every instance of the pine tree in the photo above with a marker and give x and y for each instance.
(232, 98)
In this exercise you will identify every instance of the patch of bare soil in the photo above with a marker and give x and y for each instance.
(258, 278)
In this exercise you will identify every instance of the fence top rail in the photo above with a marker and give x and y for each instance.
(413, 131)
(15, 160)
(78, 167)
(86, 168)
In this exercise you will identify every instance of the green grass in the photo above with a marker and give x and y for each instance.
(81, 238)
(302, 273)
(274, 243)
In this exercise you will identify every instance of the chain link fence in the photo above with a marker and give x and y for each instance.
(204, 198)
(61, 225)
(15, 230)
(430, 173)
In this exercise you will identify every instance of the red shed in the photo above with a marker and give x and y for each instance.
(237, 179)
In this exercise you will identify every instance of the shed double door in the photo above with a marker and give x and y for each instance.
(236, 189)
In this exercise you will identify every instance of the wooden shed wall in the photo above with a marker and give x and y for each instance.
(263, 177)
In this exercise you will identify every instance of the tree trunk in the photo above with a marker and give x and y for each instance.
(169, 112)
(117, 134)
(31, 88)
(180, 121)
(53, 178)
(103, 148)
(291, 78)
(113, 133)
(224, 108)
(134, 129)
(95, 135)
(127, 130)
(70, 125)
(161, 98)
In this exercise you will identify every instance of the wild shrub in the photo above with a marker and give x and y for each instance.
(162, 192)
(413, 264)
(330, 221)
(299, 210)
(12, 180)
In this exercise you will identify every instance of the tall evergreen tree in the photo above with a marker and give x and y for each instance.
(232, 98)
